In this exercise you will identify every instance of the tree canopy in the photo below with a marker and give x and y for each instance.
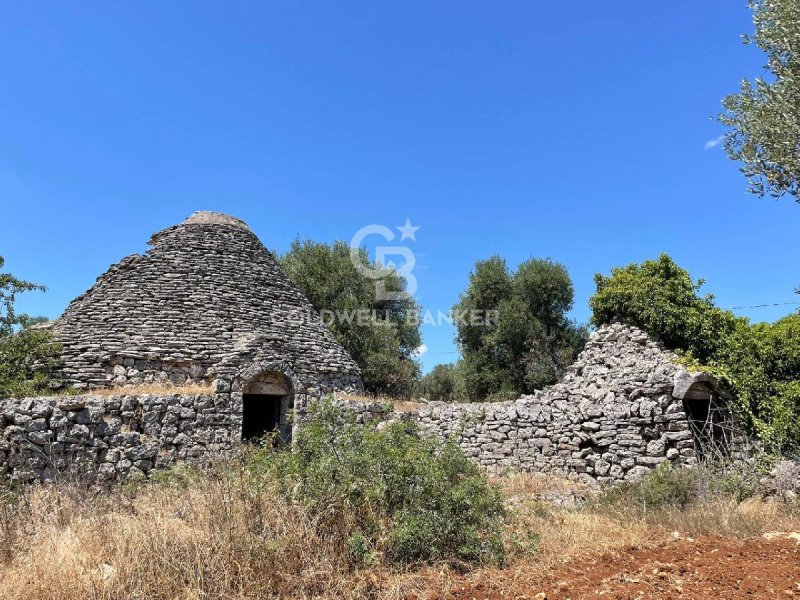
(529, 341)
(441, 384)
(27, 355)
(764, 117)
(380, 334)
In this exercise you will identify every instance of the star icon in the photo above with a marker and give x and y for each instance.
(408, 231)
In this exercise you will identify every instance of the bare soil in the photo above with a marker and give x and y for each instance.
(710, 567)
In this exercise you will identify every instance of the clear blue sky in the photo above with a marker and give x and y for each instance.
(571, 130)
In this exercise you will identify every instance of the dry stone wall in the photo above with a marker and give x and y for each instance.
(112, 437)
(619, 412)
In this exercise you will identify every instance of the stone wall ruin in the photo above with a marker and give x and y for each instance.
(620, 411)
(625, 407)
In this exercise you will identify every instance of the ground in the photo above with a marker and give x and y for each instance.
(707, 567)
(218, 534)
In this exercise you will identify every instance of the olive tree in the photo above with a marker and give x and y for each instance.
(764, 116)
(529, 342)
(380, 333)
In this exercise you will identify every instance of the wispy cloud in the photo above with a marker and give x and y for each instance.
(714, 143)
(420, 351)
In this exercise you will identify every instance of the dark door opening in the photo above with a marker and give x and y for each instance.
(708, 420)
(261, 414)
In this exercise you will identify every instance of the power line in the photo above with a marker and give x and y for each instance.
(765, 305)
(731, 308)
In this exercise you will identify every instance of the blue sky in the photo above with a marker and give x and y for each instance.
(572, 130)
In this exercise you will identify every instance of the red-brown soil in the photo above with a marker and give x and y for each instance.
(707, 568)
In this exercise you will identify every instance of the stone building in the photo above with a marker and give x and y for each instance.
(207, 303)
(625, 406)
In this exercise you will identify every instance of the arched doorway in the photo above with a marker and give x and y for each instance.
(709, 419)
(266, 402)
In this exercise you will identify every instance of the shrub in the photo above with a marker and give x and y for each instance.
(663, 486)
(27, 355)
(661, 298)
(387, 491)
(666, 488)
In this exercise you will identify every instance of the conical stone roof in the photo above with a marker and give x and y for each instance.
(207, 299)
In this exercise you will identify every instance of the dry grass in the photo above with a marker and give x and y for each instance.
(153, 389)
(223, 534)
(533, 485)
(220, 536)
(724, 516)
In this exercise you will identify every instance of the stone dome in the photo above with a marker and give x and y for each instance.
(205, 302)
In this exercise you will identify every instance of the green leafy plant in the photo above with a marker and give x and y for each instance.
(381, 335)
(27, 355)
(663, 486)
(763, 119)
(388, 492)
(529, 342)
(441, 384)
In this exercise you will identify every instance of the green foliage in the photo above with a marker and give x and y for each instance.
(530, 342)
(381, 335)
(661, 298)
(763, 117)
(440, 385)
(737, 486)
(27, 355)
(760, 364)
(389, 492)
(668, 488)
(178, 476)
(662, 487)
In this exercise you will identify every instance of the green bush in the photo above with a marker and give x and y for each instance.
(388, 492)
(760, 364)
(662, 487)
(668, 488)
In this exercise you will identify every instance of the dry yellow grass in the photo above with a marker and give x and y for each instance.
(222, 534)
(153, 389)
(218, 537)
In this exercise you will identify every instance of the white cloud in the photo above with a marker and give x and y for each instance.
(714, 143)
(420, 351)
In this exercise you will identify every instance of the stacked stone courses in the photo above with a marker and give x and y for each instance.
(618, 413)
(112, 437)
(206, 300)
(209, 304)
